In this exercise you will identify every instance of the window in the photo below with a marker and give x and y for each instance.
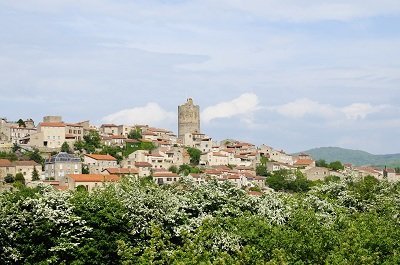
(169, 179)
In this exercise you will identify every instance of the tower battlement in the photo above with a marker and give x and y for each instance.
(188, 118)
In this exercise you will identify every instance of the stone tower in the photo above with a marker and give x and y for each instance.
(188, 118)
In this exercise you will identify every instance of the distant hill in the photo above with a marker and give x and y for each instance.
(355, 157)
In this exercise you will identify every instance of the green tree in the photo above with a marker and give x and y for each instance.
(79, 145)
(277, 180)
(19, 177)
(331, 178)
(264, 160)
(261, 170)
(65, 148)
(35, 174)
(194, 154)
(114, 151)
(35, 156)
(8, 155)
(92, 141)
(173, 169)
(321, 163)
(300, 183)
(15, 147)
(336, 165)
(135, 134)
(186, 169)
(21, 123)
(85, 169)
(9, 178)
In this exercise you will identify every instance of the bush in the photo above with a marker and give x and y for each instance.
(19, 177)
(9, 178)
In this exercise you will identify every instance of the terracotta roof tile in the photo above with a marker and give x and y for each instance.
(118, 171)
(25, 163)
(165, 174)
(94, 178)
(143, 164)
(52, 124)
(303, 162)
(101, 157)
(5, 163)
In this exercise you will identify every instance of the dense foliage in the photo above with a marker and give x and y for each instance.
(194, 154)
(336, 222)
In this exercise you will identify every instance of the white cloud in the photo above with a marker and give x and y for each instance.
(244, 105)
(301, 107)
(359, 111)
(306, 107)
(151, 114)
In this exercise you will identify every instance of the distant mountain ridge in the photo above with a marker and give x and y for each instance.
(355, 157)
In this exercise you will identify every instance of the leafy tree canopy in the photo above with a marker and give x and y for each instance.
(194, 154)
(135, 134)
(65, 148)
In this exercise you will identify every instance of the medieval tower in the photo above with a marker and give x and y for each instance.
(188, 118)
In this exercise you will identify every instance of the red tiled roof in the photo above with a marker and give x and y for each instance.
(233, 176)
(25, 163)
(5, 163)
(58, 187)
(74, 124)
(132, 141)
(218, 154)
(142, 164)
(154, 155)
(101, 157)
(94, 178)
(165, 174)
(118, 171)
(118, 137)
(52, 124)
(303, 162)
(149, 133)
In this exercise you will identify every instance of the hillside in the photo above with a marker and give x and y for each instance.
(356, 157)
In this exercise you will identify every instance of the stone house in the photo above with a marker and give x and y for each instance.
(24, 167)
(90, 181)
(144, 168)
(165, 177)
(61, 165)
(120, 172)
(108, 129)
(97, 163)
(316, 173)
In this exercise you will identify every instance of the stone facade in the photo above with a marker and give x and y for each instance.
(188, 119)
(61, 165)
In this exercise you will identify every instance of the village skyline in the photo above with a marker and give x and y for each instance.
(291, 74)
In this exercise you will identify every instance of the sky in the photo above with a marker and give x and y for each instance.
(292, 74)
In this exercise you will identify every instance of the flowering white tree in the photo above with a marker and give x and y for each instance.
(39, 226)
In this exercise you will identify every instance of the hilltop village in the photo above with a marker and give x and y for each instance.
(68, 155)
